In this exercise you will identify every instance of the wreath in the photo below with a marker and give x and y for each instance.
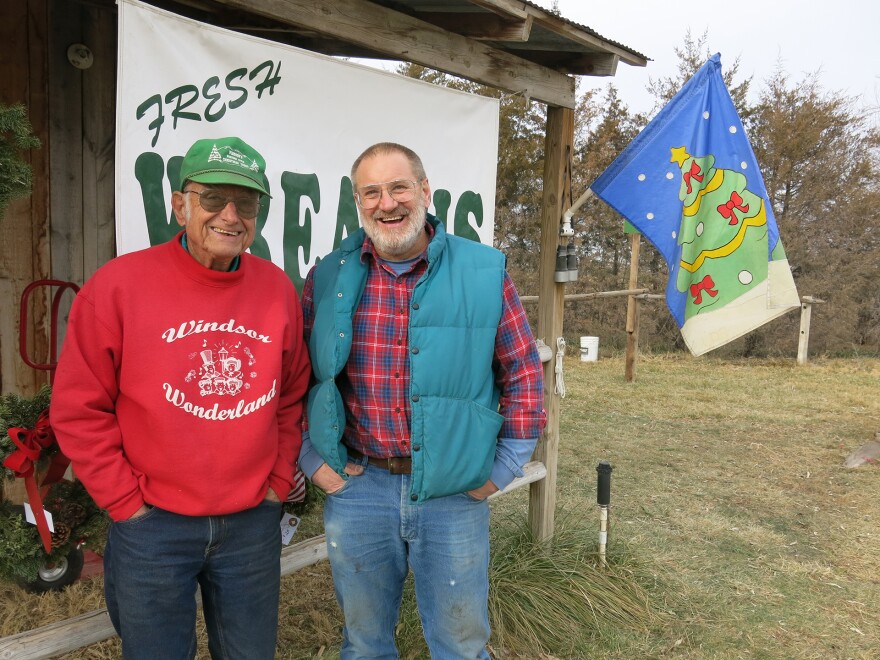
(28, 451)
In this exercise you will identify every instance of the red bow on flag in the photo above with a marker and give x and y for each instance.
(31, 443)
(706, 285)
(695, 174)
(735, 204)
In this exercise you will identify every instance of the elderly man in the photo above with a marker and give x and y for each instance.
(427, 398)
(178, 398)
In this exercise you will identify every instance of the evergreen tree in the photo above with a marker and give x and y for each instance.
(16, 135)
(692, 54)
(818, 153)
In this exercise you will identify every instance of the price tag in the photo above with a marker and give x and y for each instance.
(289, 523)
(29, 516)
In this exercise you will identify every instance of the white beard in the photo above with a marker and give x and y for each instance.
(397, 241)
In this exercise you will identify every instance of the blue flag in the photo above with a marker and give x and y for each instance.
(690, 184)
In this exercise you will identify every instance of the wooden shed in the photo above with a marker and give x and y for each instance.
(65, 229)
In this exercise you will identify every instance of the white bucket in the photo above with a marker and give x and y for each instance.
(589, 349)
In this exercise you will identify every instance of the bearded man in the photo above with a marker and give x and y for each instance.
(426, 398)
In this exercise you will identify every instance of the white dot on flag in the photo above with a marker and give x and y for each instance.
(641, 177)
(650, 216)
(699, 230)
(744, 165)
(705, 114)
(673, 234)
(745, 277)
(732, 129)
(669, 175)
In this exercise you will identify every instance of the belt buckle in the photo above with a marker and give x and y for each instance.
(396, 466)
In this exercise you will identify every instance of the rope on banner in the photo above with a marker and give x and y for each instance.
(510, 95)
(560, 380)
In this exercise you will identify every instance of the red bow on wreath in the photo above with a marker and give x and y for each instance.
(31, 443)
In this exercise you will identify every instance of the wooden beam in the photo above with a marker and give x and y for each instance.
(72, 234)
(632, 312)
(532, 471)
(579, 35)
(483, 27)
(99, 138)
(305, 553)
(807, 303)
(403, 37)
(572, 297)
(580, 64)
(804, 337)
(61, 637)
(557, 151)
(560, 25)
(504, 7)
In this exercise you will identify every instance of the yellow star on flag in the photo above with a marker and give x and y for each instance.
(679, 155)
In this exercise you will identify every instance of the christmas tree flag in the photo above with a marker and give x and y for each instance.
(690, 184)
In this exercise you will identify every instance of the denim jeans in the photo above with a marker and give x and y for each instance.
(374, 535)
(153, 563)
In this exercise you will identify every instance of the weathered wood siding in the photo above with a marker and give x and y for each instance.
(65, 229)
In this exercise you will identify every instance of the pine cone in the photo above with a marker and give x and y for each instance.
(61, 535)
(72, 514)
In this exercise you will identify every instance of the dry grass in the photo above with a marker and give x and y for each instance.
(728, 480)
(731, 515)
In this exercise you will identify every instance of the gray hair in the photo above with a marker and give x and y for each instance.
(384, 148)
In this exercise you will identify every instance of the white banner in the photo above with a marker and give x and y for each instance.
(309, 115)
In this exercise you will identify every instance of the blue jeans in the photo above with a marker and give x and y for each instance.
(153, 563)
(374, 535)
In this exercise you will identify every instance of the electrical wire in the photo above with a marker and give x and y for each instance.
(560, 380)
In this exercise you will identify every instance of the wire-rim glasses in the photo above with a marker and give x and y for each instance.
(400, 190)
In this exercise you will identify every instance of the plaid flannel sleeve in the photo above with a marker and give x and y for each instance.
(520, 377)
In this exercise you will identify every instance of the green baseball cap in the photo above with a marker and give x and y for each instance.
(226, 160)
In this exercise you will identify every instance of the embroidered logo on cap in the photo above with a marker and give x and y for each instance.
(232, 157)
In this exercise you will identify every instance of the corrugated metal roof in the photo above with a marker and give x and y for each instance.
(591, 31)
(549, 33)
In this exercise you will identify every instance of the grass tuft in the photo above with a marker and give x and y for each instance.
(554, 597)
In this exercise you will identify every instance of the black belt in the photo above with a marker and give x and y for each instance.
(394, 464)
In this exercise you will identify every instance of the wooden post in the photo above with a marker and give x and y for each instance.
(632, 312)
(807, 303)
(558, 145)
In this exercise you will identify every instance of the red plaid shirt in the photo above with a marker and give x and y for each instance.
(375, 381)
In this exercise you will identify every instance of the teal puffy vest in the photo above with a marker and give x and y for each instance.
(454, 315)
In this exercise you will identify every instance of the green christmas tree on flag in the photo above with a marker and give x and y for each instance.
(723, 234)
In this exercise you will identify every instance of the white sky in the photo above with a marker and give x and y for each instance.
(840, 39)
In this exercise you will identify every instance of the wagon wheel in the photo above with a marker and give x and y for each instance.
(58, 574)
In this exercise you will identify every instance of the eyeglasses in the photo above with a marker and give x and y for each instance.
(401, 190)
(213, 202)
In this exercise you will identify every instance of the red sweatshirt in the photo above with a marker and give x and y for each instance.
(181, 386)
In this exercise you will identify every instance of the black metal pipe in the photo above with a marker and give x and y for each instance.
(603, 486)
